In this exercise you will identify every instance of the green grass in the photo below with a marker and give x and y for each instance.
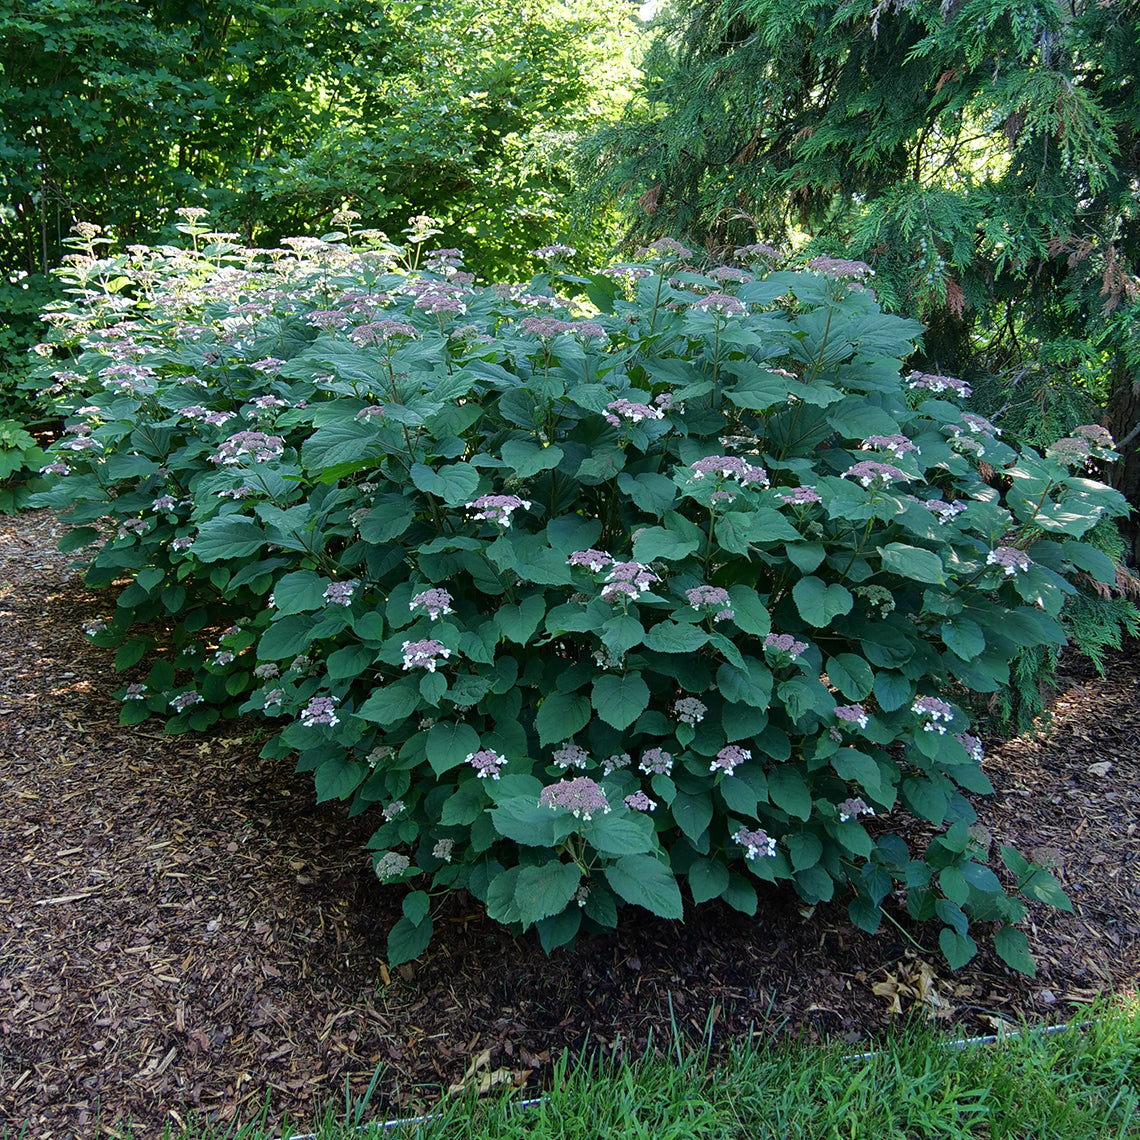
(1072, 1085)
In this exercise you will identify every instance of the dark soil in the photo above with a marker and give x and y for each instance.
(183, 930)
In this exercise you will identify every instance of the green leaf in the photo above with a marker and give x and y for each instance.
(1013, 949)
(788, 789)
(621, 633)
(560, 716)
(675, 637)
(338, 778)
(954, 885)
(518, 623)
(132, 653)
(893, 690)
(408, 940)
(707, 879)
(454, 483)
(415, 906)
(228, 537)
(620, 699)
(617, 833)
(528, 459)
(388, 519)
(299, 592)
(500, 900)
(925, 799)
(449, 745)
(913, 562)
(652, 493)
(818, 603)
(805, 850)
(749, 612)
(545, 890)
(655, 542)
(392, 704)
(957, 948)
(522, 819)
(963, 637)
(851, 675)
(860, 769)
(865, 913)
(646, 882)
(692, 814)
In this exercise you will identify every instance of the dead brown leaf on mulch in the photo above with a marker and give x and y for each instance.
(182, 929)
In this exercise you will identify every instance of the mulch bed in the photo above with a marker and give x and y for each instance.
(182, 929)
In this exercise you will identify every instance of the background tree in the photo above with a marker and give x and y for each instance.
(983, 156)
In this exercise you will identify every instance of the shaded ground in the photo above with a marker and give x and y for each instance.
(182, 930)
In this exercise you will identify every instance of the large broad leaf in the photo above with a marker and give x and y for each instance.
(545, 890)
(656, 542)
(343, 441)
(560, 716)
(529, 459)
(964, 637)
(392, 704)
(819, 603)
(449, 745)
(647, 882)
(407, 940)
(455, 483)
(851, 675)
(300, 592)
(675, 637)
(693, 814)
(620, 700)
(338, 778)
(1013, 949)
(388, 519)
(707, 879)
(228, 537)
(788, 789)
(913, 562)
(653, 493)
(522, 819)
(749, 612)
(620, 833)
(518, 623)
(957, 948)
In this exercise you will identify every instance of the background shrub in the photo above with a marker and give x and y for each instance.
(680, 587)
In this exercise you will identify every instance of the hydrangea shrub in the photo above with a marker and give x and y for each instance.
(666, 596)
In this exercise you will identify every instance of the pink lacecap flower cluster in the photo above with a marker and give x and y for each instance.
(320, 711)
(729, 273)
(135, 693)
(615, 762)
(266, 403)
(756, 249)
(801, 495)
(340, 593)
(487, 763)
(441, 298)
(852, 714)
(1094, 433)
(629, 410)
(639, 801)
(373, 411)
(853, 809)
(434, 603)
(945, 511)
(971, 744)
(869, 471)
(185, 700)
(256, 444)
(689, 710)
(979, 425)
(497, 508)
(183, 543)
(376, 332)
(840, 267)
(656, 762)
(785, 643)
(443, 849)
(729, 467)
(593, 560)
(897, 445)
(582, 797)
(937, 384)
(163, 503)
(936, 710)
(266, 671)
(391, 865)
(720, 303)
(711, 597)
(730, 758)
(570, 756)
(665, 247)
(1010, 559)
(553, 252)
(755, 843)
(627, 580)
(424, 654)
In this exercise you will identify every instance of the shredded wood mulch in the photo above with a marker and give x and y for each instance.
(184, 931)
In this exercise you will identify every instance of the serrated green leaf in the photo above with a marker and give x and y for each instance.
(692, 813)
(957, 948)
(415, 906)
(913, 562)
(707, 879)
(449, 745)
(545, 890)
(675, 637)
(560, 716)
(300, 592)
(819, 603)
(454, 483)
(646, 882)
(618, 833)
(527, 459)
(518, 623)
(851, 675)
(407, 940)
(1013, 949)
(788, 790)
(655, 542)
(620, 699)
(392, 704)
(338, 778)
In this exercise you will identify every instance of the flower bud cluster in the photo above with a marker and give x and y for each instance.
(582, 797)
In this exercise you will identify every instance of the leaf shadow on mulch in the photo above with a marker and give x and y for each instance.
(183, 929)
